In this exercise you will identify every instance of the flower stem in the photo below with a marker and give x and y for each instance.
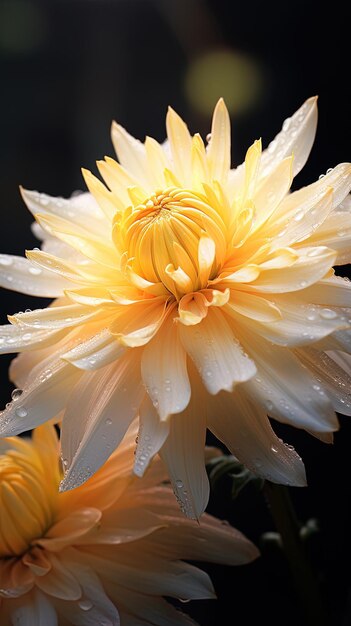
(287, 524)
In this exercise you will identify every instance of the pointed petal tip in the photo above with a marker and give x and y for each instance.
(86, 173)
(220, 104)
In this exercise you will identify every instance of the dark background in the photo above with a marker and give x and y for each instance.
(67, 68)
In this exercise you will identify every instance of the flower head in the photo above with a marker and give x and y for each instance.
(189, 295)
(105, 553)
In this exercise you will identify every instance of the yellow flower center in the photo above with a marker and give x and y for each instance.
(26, 507)
(163, 239)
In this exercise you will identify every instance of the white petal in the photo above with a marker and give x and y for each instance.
(59, 582)
(298, 224)
(19, 274)
(157, 576)
(210, 541)
(296, 138)
(95, 352)
(97, 417)
(79, 209)
(180, 145)
(17, 338)
(218, 150)
(164, 371)
(333, 291)
(271, 190)
(143, 610)
(156, 161)
(254, 307)
(88, 242)
(332, 374)
(36, 612)
(131, 153)
(94, 607)
(136, 324)
(287, 391)
(300, 322)
(43, 397)
(151, 436)
(311, 265)
(183, 453)
(216, 353)
(57, 317)
(245, 430)
(338, 179)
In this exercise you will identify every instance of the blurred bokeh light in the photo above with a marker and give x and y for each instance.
(230, 74)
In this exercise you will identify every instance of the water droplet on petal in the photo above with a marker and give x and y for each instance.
(6, 261)
(328, 314)
(35, 271)
(16, 393)
(21, 412)
(179, 483)
(85, 605)
(108, 421)
(298, 216)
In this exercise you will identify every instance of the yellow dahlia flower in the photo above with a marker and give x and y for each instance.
(105, 553)
(189, 295)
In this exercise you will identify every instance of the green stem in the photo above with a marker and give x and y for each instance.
(287, 524)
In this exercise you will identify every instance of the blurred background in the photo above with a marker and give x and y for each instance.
(67, 69)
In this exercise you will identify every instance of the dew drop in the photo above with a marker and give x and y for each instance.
(328, 314)
(85, 605)
(274, 449)
(184, 600)
(108, 421)
(21, 412)
(26, 336)
(179, 484)
(35, 271)
(6, 261)
(16, 394)
(298, 216)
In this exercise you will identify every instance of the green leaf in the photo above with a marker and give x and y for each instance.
(227, 468)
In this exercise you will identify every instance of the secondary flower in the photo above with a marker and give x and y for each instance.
(189, 295)
(106, 553)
